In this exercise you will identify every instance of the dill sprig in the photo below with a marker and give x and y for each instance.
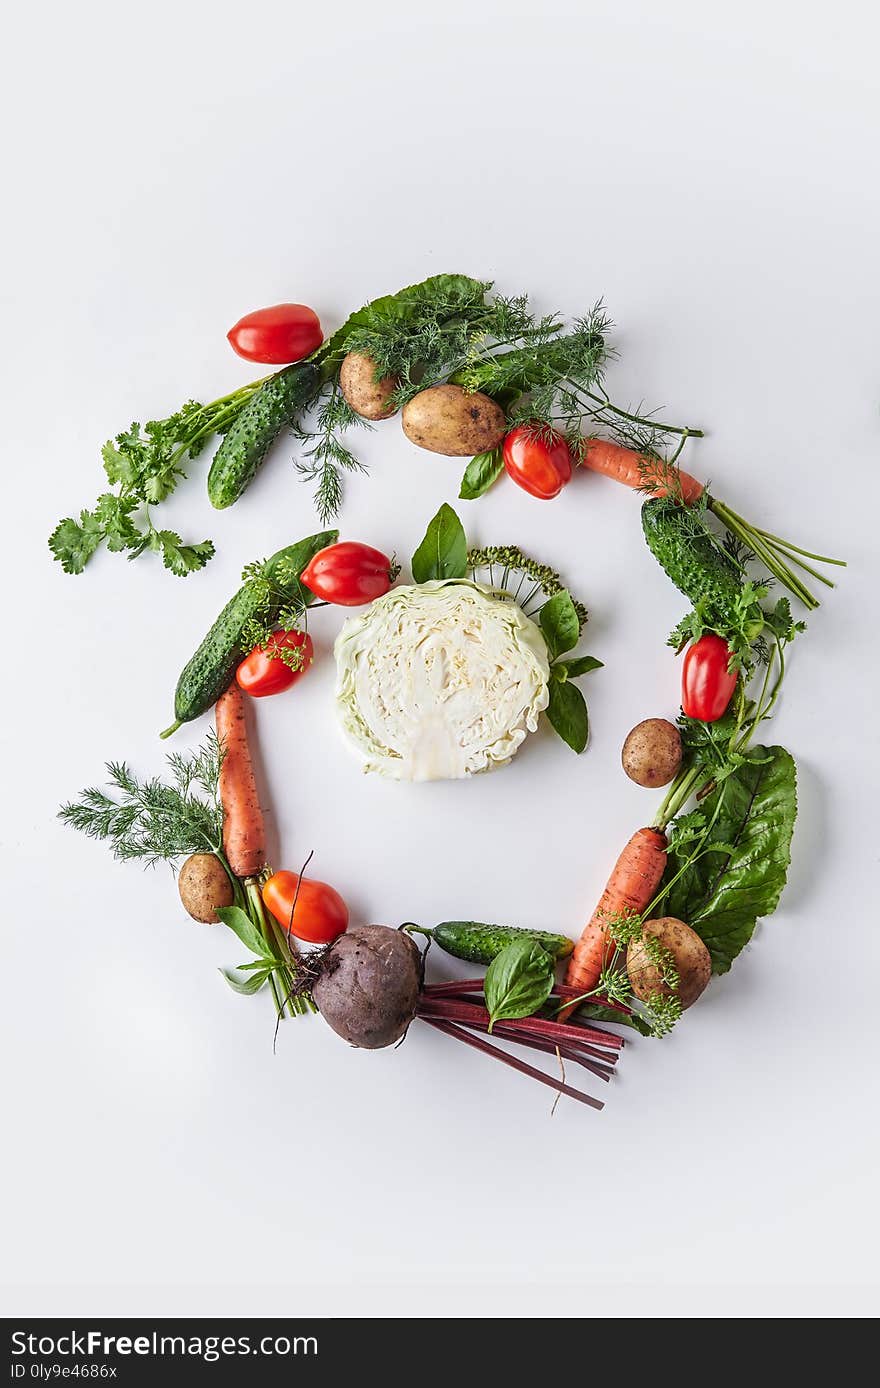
(447, 339)
(153, 820)
(327, 456)
(656, 1014)
(279, 592)
(504, 563)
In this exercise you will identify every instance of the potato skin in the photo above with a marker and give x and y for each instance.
(204, 884)
(369, 985)
(652, 753)
(692, 960)
(453, 421)
(366, 396)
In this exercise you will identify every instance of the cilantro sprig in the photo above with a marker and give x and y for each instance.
(143, 466)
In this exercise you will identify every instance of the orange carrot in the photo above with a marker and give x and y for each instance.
(631, 888)
(244, 839)
(638, 471)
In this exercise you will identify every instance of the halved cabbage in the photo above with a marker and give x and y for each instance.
(440, 680)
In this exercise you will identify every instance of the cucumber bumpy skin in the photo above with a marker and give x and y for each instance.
(696, 565)
(479, 944)
(208, 673)
(243, 449)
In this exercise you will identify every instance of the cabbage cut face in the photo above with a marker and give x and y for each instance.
(440, 680)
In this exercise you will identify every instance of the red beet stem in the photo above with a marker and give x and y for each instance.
(487, 1048)
(599, 1062)
(454, 1011)
(476, 985)
(558, 1048)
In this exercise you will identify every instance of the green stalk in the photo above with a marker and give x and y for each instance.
(605, 404)
(808, 554)
(267, 929)
(276, 997)
(782, 550)
(750, 537)
(683, 787)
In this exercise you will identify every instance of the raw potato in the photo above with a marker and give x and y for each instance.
(453, 421)
(204, 884)
(652, 753)
(366, 396)
(691, 957)
(369, 985)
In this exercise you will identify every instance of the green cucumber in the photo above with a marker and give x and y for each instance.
(210, 671)
(698, 566)
(480, 943)
(256, 428)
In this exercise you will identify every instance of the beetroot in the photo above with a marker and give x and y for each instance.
(368, 988)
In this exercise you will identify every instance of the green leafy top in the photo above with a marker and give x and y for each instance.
(436, 299)
(144, 465)
(727, 862)
(156, 821)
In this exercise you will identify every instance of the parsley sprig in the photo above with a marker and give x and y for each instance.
(143, 466)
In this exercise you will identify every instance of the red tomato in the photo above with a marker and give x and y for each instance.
(277, 335)
(706, 683)
(348, 574)
(540, 465)
(320, 913)
(262, 673)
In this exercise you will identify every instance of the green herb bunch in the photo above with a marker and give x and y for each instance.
(153, 820)
(270, 587)
(156, 821)
(143, 466)
(654, 1015)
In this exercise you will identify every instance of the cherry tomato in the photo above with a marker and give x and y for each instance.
(277, 335)
(706, 683)
(262, 673)
(348, 574)
(320, 913)
(539, 464)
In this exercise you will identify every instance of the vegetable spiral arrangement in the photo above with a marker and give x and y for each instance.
(445, 677)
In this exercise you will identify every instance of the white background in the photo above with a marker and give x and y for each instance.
(710, 171)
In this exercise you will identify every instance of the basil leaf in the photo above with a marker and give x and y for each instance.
(240, 922)
(567, 712)
(572, 669)
(518, 981)
(246, 986)
(724, 892)
(480, 473)
(443, 552)
(559, 623)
